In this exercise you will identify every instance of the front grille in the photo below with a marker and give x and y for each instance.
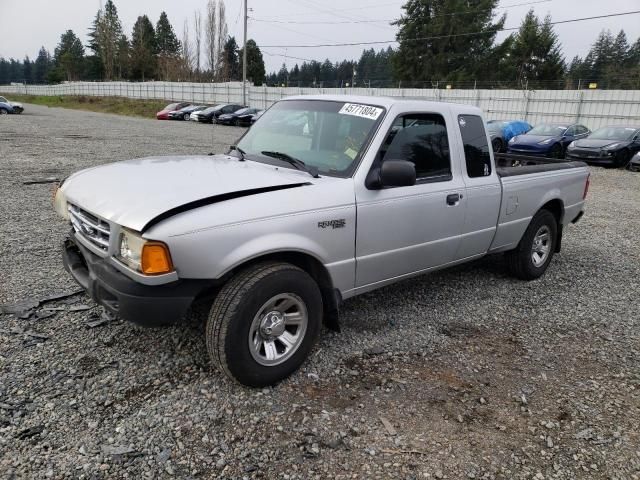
(90, 227)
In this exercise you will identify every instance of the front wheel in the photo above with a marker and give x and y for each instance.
(556, 151)
(263, 323)
(622, 158)
(533, 254)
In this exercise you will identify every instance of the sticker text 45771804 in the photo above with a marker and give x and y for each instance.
(358, 110)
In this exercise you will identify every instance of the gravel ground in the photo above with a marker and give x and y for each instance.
(466, 373)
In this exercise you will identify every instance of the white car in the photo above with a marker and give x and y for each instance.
(14, 107)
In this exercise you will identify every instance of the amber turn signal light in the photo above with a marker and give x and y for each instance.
(155, 259)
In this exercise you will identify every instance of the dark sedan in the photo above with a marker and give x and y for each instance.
(240, 118)
(501, 131)
(185, 112)
(610, 146)
(548, 139)
(211, 114)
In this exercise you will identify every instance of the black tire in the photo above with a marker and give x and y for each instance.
(521, 260)
(622, 158)
(236, 122)
(556, 151)
(3, 111)
(185, 117)
(233, 312)
(496, 143)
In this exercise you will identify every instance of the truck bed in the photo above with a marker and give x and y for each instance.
(509, 165)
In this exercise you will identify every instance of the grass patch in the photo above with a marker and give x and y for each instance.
(117, 105)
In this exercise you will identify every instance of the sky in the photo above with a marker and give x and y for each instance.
(26, 25)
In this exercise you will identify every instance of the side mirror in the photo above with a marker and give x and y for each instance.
(392, 173)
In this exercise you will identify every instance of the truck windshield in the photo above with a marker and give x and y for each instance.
(327, 135)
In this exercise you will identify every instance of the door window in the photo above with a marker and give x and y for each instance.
(422, 140)
(476, 147)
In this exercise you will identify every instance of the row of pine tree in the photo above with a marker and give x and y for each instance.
(440, 42)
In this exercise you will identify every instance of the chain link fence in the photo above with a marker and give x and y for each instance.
(593, 108)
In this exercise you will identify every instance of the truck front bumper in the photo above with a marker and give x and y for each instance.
(145, 305)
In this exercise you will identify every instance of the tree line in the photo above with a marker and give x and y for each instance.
(148, 53)
(449, 42)
(440, 42)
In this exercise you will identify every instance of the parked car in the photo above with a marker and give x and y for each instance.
(7, 107)
(274, 235)
(549, 139)
(501, 131)
(634, 164)
(211, 114)
(241, 117)
(185, 112)
(164, 113)
(256, 116)
(610, 146)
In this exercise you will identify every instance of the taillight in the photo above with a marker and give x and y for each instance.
(586, 187)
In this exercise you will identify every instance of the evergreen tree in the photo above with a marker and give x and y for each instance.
(166, 41)
(143, 49)
(600, 55)
(94, 68)
(41, 66)
(69, 56)
(255, 63)
(27, 70)
(123, 57)
(448, 53)
(535, 55)
(231, 60)
(108, 31)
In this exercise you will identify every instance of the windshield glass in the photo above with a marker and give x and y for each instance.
(208, 109)
(4, 100)
(171, 106)
(547, 130)
(242, 111)
(613, 133)
(323, 134)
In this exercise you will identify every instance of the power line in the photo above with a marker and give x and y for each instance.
(439, 37)
(309, 4)
(461, 12)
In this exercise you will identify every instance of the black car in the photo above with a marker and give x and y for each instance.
(211, 114)
(185, 112)
(239, 118)
(611, 146)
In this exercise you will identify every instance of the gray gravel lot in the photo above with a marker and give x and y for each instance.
(466, 373)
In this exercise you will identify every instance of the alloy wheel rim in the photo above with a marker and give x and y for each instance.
(541, 246)
(278, 329)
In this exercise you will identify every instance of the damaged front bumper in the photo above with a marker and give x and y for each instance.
(145, 305)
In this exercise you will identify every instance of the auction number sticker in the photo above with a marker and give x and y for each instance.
(358, 110)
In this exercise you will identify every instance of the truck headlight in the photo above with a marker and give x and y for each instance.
(144, 256)
(60, 202)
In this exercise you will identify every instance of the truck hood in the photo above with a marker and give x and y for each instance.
(134, 193)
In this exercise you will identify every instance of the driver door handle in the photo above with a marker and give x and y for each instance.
(453, 198)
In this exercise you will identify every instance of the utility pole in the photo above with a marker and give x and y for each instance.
(244, 58)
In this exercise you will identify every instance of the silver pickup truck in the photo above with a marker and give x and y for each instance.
(324, 198)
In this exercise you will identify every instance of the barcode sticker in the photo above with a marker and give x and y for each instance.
(358, 110)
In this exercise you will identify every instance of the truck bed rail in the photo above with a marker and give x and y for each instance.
(509, 165)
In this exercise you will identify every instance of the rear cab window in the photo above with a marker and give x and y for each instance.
(476, 148)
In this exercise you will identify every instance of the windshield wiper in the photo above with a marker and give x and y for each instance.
(239, 150)
(299, 164)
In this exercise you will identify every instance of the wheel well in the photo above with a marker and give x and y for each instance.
(556, 207)
(331, 297)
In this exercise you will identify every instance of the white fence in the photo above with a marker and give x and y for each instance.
(593, 108)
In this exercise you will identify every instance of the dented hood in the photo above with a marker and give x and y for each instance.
(136, 193)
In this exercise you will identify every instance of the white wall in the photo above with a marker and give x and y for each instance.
(593, 108)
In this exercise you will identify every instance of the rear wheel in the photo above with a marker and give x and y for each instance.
(496, 143)
(533, 254)
(263, 323)
(3, 111)
(236, 122)
(185, 116)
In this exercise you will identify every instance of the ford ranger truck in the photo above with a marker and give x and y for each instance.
(323, 199)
